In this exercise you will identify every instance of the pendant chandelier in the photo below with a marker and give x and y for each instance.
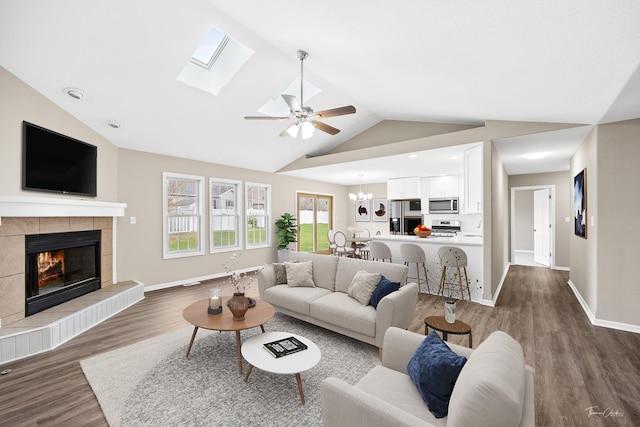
(360, 196)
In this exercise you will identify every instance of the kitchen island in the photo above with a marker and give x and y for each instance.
(470, 243)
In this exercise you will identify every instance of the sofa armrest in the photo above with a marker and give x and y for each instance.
(396, 309)
(400, 345)
(529, 406)
(346, 405)
(266, 279)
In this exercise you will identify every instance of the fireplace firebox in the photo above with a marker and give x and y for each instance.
(60, 267)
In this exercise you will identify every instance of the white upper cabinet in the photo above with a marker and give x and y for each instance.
(445, 186)
(473, 180)
(403, 188)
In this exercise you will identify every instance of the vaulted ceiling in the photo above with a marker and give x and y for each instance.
(463, 62)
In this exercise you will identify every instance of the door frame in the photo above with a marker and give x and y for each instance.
(552, 220)
(332, 208)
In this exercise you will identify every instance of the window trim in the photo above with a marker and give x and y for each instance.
(201, 235)
(268, 226)
(240, 215)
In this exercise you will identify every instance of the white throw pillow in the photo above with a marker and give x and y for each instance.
(300, 274)
(362, 286)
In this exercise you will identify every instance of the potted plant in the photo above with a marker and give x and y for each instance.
(287, 231)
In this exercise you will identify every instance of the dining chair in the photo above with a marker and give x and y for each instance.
(332, 241)
(362, 248)
(341, 245)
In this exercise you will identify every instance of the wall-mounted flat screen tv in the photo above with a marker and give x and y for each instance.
(57, 163)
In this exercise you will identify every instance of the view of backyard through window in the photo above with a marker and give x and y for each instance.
(225, 233)
(183, 218)
(257, 214)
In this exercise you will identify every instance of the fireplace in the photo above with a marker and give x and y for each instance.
(60, 267)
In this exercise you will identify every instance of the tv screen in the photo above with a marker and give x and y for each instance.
(57, 163)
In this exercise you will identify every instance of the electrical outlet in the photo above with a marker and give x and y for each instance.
(132, 220)
(567, 219)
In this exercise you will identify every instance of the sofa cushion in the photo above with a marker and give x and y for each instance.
(297, 300)
(434, 369)
(490, 389)
(300, 274)
(348, 267)
(324, 268)
(339, 309)
(281, 273)
(384, 288)
(397, 389)
(362, 286)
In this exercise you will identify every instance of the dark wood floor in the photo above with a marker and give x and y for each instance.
(577, 365)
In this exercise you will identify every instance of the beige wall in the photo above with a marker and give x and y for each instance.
(139, 246)
(523, 220)
(618, 203)
(562, 182)
(499, 202)
(584, 252)
(20, 102)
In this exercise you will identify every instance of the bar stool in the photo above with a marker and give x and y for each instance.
(453, 257)
(379, 251)
(412, 253)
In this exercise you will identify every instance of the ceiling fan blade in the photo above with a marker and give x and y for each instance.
(292, 102)
(341, 111)
(265, 118)
(325, 127)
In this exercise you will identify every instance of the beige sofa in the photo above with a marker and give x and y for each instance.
(328, 305)
(494, 388)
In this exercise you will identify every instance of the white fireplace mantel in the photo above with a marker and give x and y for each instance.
(25, 206)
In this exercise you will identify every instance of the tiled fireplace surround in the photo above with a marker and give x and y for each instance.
(12, 266)
(20, 216)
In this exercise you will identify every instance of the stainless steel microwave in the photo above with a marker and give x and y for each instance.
(444, 205)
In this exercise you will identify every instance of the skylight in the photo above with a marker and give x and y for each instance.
(210, 48)
(215, 61)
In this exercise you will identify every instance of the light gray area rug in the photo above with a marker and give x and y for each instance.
(152, 383)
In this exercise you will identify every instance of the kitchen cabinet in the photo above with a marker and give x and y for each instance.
(424, 195)
(403, 188)
(445, 186)
(473, 180)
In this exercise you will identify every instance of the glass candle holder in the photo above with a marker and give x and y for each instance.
(215, 301)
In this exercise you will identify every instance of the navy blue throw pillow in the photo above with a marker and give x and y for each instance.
(384, 288)
(434, 369)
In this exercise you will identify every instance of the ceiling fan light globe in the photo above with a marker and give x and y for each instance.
(292, 131)
(307, 130)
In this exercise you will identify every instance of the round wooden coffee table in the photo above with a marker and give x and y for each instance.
(440, 324)
(291, 364)
(197, 315)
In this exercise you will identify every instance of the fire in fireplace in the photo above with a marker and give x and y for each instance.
(60, 267)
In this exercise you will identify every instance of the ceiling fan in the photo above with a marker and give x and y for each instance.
(306, 120)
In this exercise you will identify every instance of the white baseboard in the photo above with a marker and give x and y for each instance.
(492, 302)
(561, 268)
(600, 322)
(188, 281)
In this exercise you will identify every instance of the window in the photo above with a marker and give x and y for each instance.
(183, 234)
(257, 213)
(224, 208)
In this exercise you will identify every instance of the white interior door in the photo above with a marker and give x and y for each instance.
(542, 227)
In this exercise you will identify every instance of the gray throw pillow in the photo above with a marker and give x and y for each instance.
(300, 274)
(280, 272)
(362, 286)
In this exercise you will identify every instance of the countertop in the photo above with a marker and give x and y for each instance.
(462, 238)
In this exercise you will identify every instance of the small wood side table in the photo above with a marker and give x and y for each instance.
(438, 323)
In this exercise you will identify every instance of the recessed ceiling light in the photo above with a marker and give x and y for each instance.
(74, 93)
(536, 156)
(115, 125)
(453, 158)
(413, 156)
